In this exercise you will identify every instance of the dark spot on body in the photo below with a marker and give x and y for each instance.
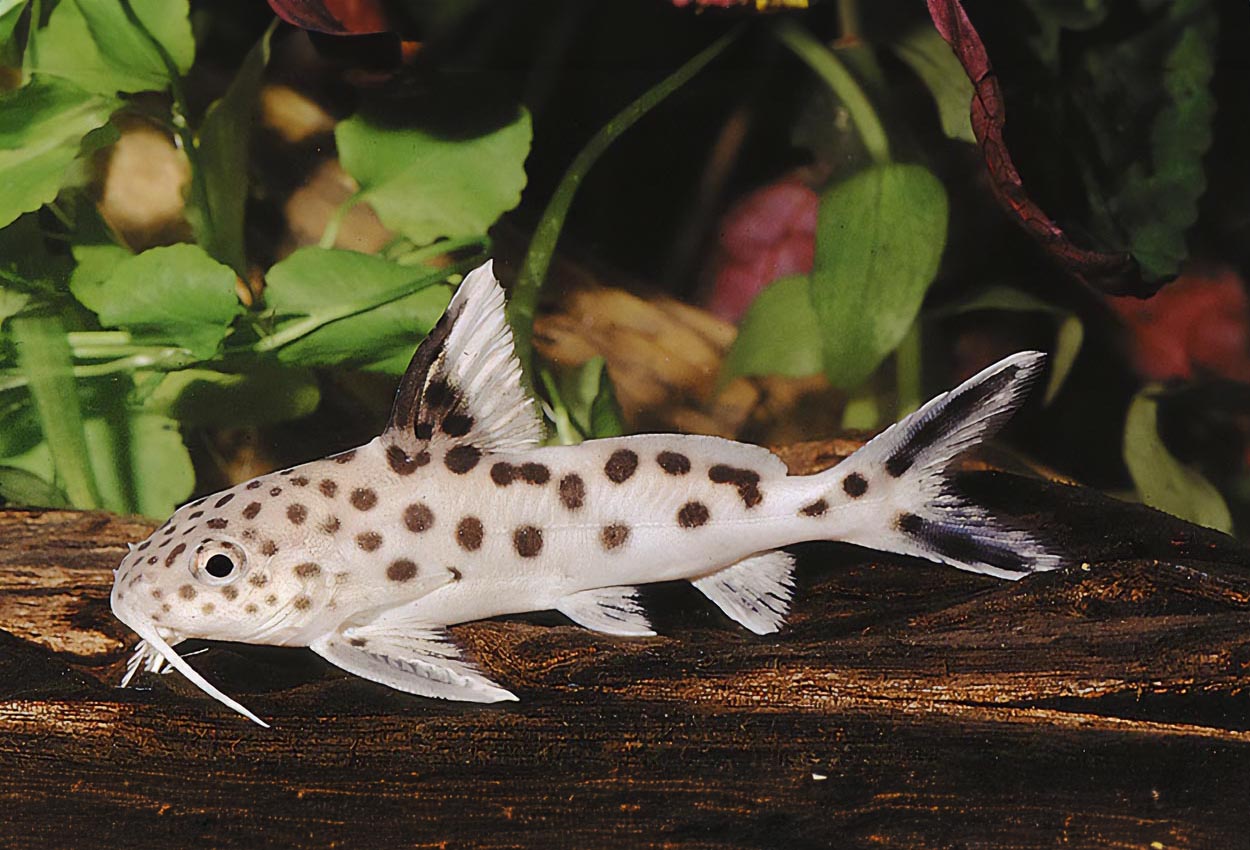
(174, 553)
(502, 473)
(307, 570)
(251, 510)
(275, 491)
(186, 591)
(224, 500)
(528, 540)
(296, 513)
(572, 491)
(369, 541)
(328, 488)
(693, 515)
(455, 574)
(144, 545)
(457, 424)
(423, 430)
(271, 600)
(418, 518)
(218, 523)
(287, 471)
(460, 459)
(255, 484)
(258, 579)
(230, 592)
(208, 607)
(269, 548)
(535, 473)
(299, 481)
(302, 603)
(345, 457)
(621, 466)
(614, 536)
(196, 515)
(157, 593)
(401, 570)
(746, 480)
(674, 463)
(249, 534)
(816, 508)
(169, 529)
(855, 485)
(251, 608)
(330, 524)
(363, 498)
(152, 560)
(469, 533)
(358, 642)
(402, 464)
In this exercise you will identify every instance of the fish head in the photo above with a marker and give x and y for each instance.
(220, 569)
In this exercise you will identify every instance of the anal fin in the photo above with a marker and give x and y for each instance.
(610, 610)
(754, 592)
(422, 662)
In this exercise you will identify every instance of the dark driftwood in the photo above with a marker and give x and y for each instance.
(906, 706)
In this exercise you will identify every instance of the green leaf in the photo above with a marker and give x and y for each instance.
(778, 335)
(356, 307)
(1163, 481)
(19, 487)
(1068, 340)
(223, 160)
(879, 240)
(41, 126)
(44, 356)
(204, 397)
(933, 61)
(19, 423)
(26, 265)
(10, 14)
(1069, 329)
(606, 419)
(96, 45)
(582, 403)
(95, 264)
(176, 294)
(139, 460)
(426, 186)
(1132, 83)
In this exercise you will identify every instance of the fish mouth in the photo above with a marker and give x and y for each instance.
(155, 650)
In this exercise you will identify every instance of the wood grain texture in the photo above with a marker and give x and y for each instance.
(905, 706)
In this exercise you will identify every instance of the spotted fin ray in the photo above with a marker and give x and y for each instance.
(463, 386)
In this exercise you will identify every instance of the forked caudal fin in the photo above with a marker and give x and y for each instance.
(894, 493)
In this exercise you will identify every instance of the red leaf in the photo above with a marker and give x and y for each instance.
(336, 17)
(1114, 273)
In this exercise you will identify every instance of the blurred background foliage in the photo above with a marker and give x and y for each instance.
(226, 225)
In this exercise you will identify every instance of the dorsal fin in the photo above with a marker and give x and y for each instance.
(464, 383)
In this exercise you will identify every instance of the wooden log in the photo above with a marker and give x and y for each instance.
(905, 705)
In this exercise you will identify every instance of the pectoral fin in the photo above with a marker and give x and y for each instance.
(422, 662)
(611, 610)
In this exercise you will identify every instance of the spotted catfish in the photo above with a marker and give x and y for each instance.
(456, 513)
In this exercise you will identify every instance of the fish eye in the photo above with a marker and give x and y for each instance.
(219, 566)
(218, 562)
